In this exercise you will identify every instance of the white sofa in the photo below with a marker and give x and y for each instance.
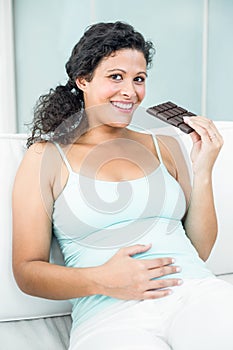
(33, 323)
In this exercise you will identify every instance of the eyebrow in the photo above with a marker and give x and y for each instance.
(123, 71)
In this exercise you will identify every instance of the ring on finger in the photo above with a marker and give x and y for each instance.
(212, 137)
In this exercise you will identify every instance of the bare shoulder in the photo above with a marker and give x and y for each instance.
(38, 150)
(170, 145)
(171, 149)
(171, 154)
(37, 158)
(169, 142)
(37, 170)
(165, 141)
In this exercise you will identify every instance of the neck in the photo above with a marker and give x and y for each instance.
(103, 133)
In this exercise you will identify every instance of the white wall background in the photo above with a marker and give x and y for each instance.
(193, 39)
(7, 72)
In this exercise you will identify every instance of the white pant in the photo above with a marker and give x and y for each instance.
(197, 316)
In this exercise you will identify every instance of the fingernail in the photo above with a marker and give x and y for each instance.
(178, 269)
(179, 282)
(173, 260)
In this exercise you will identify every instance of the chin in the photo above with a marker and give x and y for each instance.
(120, 121)
(118, 125)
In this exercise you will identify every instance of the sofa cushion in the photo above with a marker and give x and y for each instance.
(14, 304)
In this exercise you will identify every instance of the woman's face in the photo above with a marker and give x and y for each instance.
(116, 89)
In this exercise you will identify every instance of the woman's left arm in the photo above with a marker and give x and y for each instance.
(200, 221)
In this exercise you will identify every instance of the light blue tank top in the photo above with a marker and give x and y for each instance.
(93, 218)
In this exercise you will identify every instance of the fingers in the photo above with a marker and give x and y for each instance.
(158, 262)
(164, 283)
(161, 288)
(135, 249)
(163, 271)
(161, 267)
(156, 267)
(205, 128)
(155, 294)
(135, 278)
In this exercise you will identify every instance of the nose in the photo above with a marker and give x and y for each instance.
(128, 89)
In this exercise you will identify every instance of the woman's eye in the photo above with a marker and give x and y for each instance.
(139, 79)
(116, 76)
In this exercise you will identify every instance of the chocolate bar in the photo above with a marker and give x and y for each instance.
(172, 114)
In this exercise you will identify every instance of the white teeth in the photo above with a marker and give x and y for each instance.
(123, 105)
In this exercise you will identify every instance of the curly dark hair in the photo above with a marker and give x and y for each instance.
(99, 40)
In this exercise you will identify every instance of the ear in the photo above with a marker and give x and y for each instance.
(81, 83)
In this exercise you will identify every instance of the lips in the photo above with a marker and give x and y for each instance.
(127, 106)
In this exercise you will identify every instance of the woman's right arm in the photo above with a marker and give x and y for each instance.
(121, 277)
(32, 206)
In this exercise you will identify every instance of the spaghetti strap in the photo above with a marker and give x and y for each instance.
(62, 154)
(157, 148)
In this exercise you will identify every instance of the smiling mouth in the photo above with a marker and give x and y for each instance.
(123, 106)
